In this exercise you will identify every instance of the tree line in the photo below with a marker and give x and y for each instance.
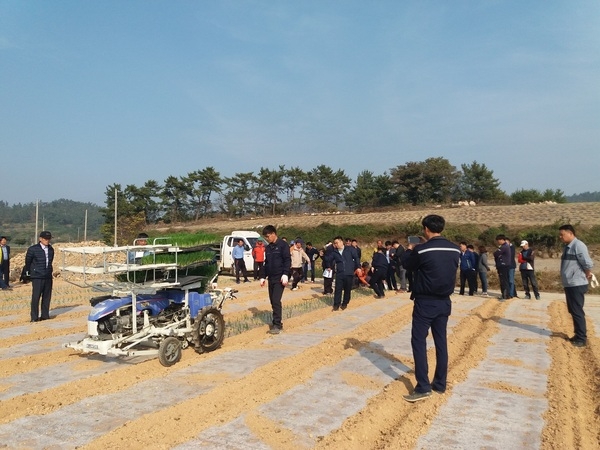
(64, 218)
(206, 193)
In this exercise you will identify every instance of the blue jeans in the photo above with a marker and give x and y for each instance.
(484, 282)
(512, 289)
(430, 314)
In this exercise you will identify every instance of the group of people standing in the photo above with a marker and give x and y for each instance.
(475, 265)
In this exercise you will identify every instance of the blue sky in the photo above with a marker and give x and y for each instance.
(100, 92)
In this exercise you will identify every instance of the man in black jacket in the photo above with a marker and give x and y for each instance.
(434, 265)
(5, 261)
(346, 262)
(277, 268)
(38, 267)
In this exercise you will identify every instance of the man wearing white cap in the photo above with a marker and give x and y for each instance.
(526, 258)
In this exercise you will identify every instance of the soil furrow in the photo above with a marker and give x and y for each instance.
(230, 400)
(376, 428)
(581, 393)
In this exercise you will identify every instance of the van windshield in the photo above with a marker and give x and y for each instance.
(252, 241)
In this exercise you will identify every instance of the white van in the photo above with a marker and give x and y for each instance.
(230, 241)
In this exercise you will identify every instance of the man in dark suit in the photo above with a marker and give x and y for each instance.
(5, 258)
(346, 262)
(38, 267)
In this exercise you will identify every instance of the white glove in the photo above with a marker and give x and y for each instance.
(308, 267)
(262, 282)
(284, 280)
(594, 281)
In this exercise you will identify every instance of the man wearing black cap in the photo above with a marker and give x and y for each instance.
(38, 267)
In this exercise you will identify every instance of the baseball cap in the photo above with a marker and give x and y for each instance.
(524, 243)
(46, 235)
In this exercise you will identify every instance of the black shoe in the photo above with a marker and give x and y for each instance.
(578, 343)
(336, 308)
(344, 307)
(527, 297)
(417, 396)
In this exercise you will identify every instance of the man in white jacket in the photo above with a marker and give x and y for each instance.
(575, 272)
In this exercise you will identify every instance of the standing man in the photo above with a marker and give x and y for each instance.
(526, 258)
(346, 262)
(298, 257)
(512, 287)
(277, 270)
(468, 269)
(5, 258)
(258, 254)
(354, 244)
(502, 260)
(313, 255)
(390, 276)
(434, 265)
(237, 254)
(575, 273)
(400, 270)
(38, 266)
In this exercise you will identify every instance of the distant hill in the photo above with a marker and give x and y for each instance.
(584, 197)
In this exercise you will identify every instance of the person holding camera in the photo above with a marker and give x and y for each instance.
(434, 264)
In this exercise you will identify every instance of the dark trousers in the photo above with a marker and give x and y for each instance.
(504, 287)
(575, 299)
(5, 268)
(240, 266)
(342, 283)
(430, 314)
(377, 282)
(328, 285)
(259, 268)
(40, 287)
(528, 276)
(297, 274)
(275, 293)
(468, 276)
(409, 279)
(391, 278)
(401, 272)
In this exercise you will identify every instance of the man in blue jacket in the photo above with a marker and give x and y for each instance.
(38, 267)
(346, 262)
(434, 265)
(277, 268)
(468, 269)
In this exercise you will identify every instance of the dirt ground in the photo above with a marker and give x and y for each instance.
(572, 419)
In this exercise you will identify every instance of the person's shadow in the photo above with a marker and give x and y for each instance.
(524, 326)
(263, 315)
(382, 359)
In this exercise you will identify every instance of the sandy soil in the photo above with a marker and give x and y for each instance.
(571, 421)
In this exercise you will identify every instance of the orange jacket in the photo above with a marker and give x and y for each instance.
(258, 252)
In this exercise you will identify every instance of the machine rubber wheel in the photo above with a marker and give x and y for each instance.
(208, 330)
(169, 351)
